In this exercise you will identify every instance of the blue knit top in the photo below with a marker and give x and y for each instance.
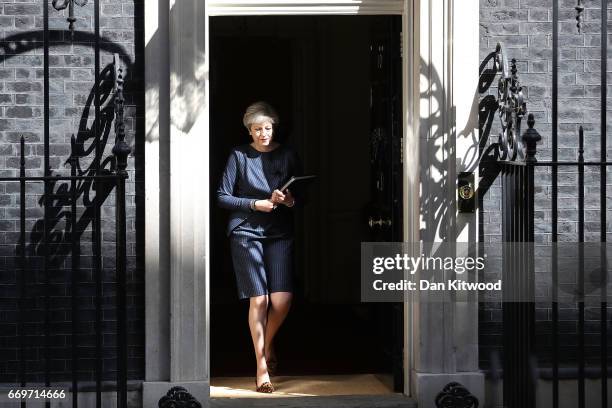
(252, 175)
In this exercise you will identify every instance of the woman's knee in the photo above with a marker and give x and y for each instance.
(259, 302)
(281, 300)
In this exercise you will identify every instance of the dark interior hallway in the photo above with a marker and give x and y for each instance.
(316, 71)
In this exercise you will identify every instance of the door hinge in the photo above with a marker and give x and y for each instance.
(401, 45)
(401, 152)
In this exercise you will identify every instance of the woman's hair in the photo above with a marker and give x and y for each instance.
(259, 112)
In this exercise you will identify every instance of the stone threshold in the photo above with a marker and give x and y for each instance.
(339, 401)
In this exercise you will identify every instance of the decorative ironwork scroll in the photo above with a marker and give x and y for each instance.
(455, 395)
(62, 4)
(511, 107)
(579, 10)
(178, 397)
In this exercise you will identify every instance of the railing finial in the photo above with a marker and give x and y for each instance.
(121, 150)
(531, 137)
(62, 4)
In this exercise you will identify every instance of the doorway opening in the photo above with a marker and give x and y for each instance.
(336, 84)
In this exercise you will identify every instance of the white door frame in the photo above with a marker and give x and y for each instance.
(410, 153)
(440, 42)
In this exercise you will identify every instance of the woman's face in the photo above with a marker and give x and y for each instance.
(261, 134)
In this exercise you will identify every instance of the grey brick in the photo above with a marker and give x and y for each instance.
(127, 9)
(7, 73)
(569, 40)
(540, 41)
(502, 29)
(22, 112)
(24, 60)
(7, 22)
(27, 99)
(535, 28)
(117, 35)
(593, 40)
(59, 23)
(6, 124)
(536, 53)
(61, 73)
(589, 52)
(30, 162)
(534, 4)
(60, 100)
(15, 137)
(78, 61)
(116, 22)
(21, 73)
(62, 150)
(23, 22)
(77, 86)
(540, 15)
(24, 86)
(22, 9)
(571, 91)
(587, 78)
(81, 74)
(112, 10)
(538, 66)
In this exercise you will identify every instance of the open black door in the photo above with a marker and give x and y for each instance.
(385, 210)
(336, 81)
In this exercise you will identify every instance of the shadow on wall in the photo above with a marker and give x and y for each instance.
(89, 155)
(439, 150)
(185, 84)
(435, 147)
(489, 170)
(487, 107)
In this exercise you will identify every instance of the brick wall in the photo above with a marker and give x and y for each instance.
(71, 112)
(524, 27)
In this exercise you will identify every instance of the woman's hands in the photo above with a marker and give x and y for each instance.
(264, 205)
(278, 197)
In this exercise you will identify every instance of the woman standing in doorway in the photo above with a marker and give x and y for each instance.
(260, 229)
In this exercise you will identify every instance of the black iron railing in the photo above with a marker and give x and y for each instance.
(554, 166)
(517, 185)
(520, 368)
(104, 182)
(50, 249)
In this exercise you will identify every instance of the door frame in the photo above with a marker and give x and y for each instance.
(410, 146)
(441, 43)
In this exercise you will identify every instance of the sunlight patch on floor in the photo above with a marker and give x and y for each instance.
(301, 386)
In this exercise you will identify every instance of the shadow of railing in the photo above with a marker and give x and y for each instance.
(52, 236)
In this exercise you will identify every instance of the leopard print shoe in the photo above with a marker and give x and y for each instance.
(266, 387)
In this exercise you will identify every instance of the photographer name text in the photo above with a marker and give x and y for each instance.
(426, 285)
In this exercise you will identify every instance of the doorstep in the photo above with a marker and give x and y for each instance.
(338, 401)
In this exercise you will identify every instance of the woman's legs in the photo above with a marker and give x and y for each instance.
(280, 302)
(267, 312)
(258, 309)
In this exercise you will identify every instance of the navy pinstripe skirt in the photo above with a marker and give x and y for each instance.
(262, 258)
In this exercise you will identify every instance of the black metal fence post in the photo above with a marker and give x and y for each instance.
(520, 375)
(121, 150)
(603, 320)
(74, 273)
(22, 273)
